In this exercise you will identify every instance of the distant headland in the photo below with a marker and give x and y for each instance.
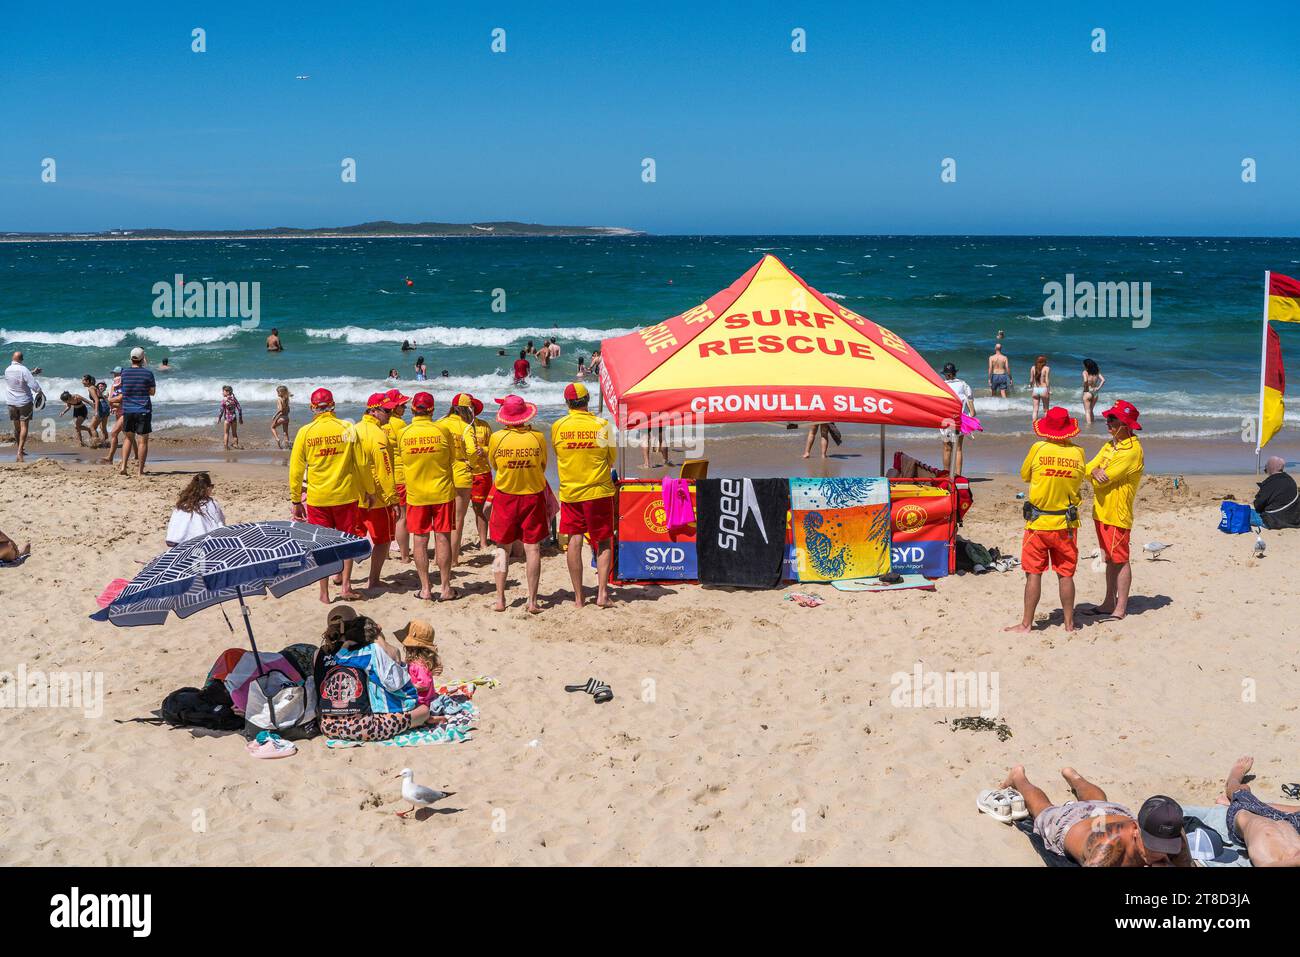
(381, 229)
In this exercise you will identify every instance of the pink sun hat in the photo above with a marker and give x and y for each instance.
(514, 410)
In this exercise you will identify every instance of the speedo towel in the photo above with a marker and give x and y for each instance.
(841, 527)
(740, 531)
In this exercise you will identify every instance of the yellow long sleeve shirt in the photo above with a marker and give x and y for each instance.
(377, 452)
(1112, 500)
(325, 450)
(584, 454)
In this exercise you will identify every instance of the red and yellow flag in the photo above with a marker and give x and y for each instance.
(1283, 306)
(1283, 298)
(1274, 389)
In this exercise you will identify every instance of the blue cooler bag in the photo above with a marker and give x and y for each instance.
(1236, 518)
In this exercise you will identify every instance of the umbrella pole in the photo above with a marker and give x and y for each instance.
(243, 610)
(882, 448)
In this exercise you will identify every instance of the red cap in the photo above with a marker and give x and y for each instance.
(376, 400)
(322, 397)
(396, 397)
(1126, 412)
(422, 402)
(575, 390)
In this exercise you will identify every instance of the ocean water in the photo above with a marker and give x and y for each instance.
(343, 308)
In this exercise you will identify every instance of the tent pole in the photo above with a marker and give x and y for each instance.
(882, 448)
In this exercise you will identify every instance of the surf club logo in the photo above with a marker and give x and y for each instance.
(179, 299)
(910, 518)
(655, 517)
(737, 504)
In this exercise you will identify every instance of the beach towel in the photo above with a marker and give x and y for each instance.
(875, 584)
(677, 503)
(841, 528)
(415, 738)
(1050, 858)
(740, 531)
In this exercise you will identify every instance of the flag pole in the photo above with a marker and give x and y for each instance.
(1263, 361)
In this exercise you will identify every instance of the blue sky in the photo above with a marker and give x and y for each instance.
(747, 136)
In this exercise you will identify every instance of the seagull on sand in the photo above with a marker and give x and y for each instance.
(417, 794)
(1153, 549)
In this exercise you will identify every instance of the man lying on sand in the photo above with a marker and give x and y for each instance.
(1269, 832)
(9, 550)
(1095, 832)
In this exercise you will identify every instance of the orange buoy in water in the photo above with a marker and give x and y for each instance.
(410, 281)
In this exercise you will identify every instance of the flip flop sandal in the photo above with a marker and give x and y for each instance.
(455, 593)
(599, 691)
(1291, 790)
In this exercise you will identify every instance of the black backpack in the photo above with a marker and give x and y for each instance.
(209, 708)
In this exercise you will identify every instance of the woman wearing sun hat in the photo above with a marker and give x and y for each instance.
(1054, 470)
(1115, 473)
(517, 453)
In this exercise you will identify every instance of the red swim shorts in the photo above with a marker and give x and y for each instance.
(401, 494)
(1054, 548)
(344, 518)
(423, 519)
(518, 517)
(378, 524)
(594, 517)
(482, 485)
(1113, 541)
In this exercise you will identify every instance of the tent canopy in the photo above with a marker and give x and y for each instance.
(770, 348)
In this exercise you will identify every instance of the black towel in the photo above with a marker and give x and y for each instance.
(740, 531)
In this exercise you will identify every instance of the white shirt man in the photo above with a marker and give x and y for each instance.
(21, 386)
(21, 390)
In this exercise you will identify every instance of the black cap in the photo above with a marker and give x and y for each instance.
(1161, 824)
(949, 369)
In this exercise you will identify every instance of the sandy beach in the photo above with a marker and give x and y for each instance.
(745, 729)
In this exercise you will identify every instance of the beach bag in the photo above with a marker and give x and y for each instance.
(1235, 518)
(278, 703)
(970, 554)
(209, 708)
(343, 691)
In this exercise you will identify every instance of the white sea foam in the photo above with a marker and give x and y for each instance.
(172, 338)
(464, 335)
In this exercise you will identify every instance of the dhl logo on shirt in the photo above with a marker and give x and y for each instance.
(421, 444)
(582, 439)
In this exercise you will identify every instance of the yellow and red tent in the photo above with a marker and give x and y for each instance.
(770, 348)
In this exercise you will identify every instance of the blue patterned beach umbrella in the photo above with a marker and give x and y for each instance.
(228, 564)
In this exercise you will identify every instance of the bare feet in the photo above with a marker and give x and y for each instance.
(1020, 627)
(424, 595)
(1236, 777)
(499, 605)
(1014, 777)
(533, 608)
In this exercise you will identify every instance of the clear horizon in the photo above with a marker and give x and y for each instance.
(748, 137)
